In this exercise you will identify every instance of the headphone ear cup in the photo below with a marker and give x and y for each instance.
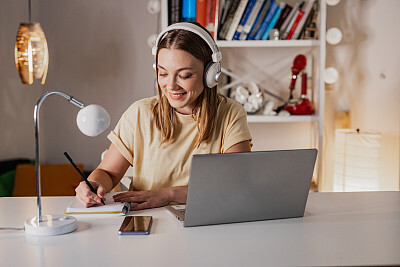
(211, 74)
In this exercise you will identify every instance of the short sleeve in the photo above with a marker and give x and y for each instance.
(236, 127)
(123, 137)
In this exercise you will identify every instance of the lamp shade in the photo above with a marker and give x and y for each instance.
(356, 160)
(92, 120)
(31, 53)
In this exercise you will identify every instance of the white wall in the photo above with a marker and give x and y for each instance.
(368, 61)
(98, 53)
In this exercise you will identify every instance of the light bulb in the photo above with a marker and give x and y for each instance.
(153, 6)
(151, 40)
(331, 75)
(92, 120)
(332, 2)
(334, 36)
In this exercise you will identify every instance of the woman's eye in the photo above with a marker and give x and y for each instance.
(185, 76)
(162, 75)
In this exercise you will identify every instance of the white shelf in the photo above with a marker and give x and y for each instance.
(280, 119)
(268, 43)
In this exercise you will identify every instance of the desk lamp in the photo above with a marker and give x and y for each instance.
(91, 120)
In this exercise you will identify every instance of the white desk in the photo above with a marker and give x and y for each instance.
(338, 229)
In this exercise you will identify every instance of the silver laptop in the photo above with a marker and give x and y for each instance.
(250, 186)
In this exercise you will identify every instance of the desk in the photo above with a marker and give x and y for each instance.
(337, 229)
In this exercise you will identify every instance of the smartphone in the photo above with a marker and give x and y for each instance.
(136, 225)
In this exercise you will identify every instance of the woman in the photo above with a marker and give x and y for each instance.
(159, 135)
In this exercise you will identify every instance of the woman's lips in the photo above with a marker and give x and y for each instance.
(177, 96)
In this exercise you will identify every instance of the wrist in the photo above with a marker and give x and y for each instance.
(177, 194)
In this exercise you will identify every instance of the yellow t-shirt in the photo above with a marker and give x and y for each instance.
(157, 165)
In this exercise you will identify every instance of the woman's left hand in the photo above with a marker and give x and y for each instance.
(145, 199)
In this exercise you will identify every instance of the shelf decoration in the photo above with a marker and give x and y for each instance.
(331, 75)
(332, 2)
(334, 36)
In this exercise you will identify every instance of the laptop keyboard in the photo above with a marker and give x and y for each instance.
(182, 211)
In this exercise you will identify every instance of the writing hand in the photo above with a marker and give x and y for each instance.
(86, 197)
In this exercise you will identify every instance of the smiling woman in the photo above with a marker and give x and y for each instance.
(159, 135)
(180, 77)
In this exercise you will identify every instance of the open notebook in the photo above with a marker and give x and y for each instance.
(111, 207)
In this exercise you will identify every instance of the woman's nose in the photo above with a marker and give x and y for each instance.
(171, 82)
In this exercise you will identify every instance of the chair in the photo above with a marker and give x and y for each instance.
(7, 175)
(56, 180)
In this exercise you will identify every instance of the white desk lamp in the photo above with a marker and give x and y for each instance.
(92, 120)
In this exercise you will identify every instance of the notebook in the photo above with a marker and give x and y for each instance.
(250, 186)
(110, 207)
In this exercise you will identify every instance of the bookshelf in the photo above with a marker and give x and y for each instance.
(260, 43)
(314, 49)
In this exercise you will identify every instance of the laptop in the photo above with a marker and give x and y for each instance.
(248, 186)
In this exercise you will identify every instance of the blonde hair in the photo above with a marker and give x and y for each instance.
(207, 102)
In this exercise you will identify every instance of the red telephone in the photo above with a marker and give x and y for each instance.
(301, 106)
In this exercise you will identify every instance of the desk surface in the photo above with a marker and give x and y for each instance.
(337, 229)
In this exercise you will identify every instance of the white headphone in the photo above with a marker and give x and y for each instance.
(213, 69)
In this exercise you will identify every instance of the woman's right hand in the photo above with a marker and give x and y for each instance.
(86, 197)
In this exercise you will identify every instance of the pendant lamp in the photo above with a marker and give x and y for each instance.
(31, 52)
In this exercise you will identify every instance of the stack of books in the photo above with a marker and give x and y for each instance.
(254, 19)
(202, 11)
(249, 19)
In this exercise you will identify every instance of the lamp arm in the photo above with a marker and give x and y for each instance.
(36, 123)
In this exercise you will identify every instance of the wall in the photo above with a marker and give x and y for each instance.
(16, 100)
(98, 53)
(368, 60)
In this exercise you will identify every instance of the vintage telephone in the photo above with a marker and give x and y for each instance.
(302, 105)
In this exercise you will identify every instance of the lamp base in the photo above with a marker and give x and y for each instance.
(51, 225)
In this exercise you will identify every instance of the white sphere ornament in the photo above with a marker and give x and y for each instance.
(331, 75)
(92, 120)
(332, 2)
(153, 6)
(334, 36)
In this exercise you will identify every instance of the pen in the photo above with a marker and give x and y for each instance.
(82, 175)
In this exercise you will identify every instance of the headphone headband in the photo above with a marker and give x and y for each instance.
(216, 56)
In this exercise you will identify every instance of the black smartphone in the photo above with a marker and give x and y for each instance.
(136, 225)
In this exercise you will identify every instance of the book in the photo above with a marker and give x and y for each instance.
(244, 19)
(174, 11)
(236, 19)
(288, 19)
(284, 14)
(201, 12)
(274, 20)
(260, 17)
(292, 21)
(299, 15)
(251, 19)
(309, 25)
(307, 11)
(267, 20)
(111, 207)
(211, 17)
(188, 10)
(224, 10)
(225, 25)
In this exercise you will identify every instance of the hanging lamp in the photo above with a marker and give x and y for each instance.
(31, 52)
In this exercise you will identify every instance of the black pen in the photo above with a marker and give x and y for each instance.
(82, 175)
